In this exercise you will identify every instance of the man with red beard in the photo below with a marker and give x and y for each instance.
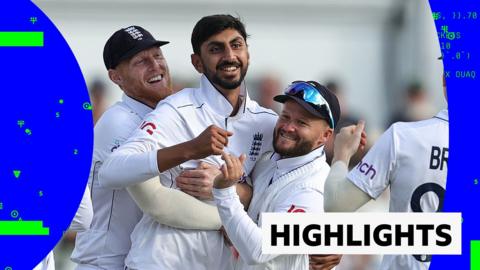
(220, 53)
(135, 62)
(289, 180)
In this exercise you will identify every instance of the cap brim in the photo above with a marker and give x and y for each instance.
(141, 47)
(304, 104)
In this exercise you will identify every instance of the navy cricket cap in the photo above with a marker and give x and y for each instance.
(315, 98)
(127, 42)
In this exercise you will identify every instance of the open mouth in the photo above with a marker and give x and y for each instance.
(155, 79)
(288, 137)
(229, 67)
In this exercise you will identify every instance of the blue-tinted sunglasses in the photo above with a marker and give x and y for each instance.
(311, 95)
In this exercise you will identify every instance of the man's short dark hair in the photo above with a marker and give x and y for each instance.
(212, 25)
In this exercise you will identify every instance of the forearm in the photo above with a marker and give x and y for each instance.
(245, 235)
(172, 156)
(340, 194)
(174, 208)
(245, 193)
(127, 166)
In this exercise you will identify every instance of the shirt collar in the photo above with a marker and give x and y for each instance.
(136, 106)
(216, 101)
(443, 114)
(287, 164)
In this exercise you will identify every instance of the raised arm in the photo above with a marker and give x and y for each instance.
(341, 195)
(244, 234)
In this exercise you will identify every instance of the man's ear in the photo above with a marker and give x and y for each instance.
(197, 62)
(325, 136)
(115, 77)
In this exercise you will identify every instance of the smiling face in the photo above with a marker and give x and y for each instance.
(144, 77)
(223, 59)
(298, 132)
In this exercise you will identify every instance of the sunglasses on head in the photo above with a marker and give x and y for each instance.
(311, 95)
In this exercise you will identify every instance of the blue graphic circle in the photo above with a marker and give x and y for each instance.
(47, 135)
(458, 25)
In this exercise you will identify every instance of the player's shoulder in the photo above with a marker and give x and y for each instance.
(260, 114)
(113, 128)
(181, 99)
(432, 125)
(253, 107)
(316, 176)
(116, 118)
(415, 135)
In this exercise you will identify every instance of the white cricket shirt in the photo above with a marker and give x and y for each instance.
(179, 118)
(106, 243)
(411, 158)
(293, 185)
(83, 217)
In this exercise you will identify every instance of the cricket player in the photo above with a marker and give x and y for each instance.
(291, 179)
(221, 55)
(410, 158)
(136, 64)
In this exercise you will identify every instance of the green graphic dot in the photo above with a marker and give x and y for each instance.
(87, 106)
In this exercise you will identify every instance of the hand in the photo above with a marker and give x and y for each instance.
(210, 142)
(198, 182)
(348, 141)
(232, 171)
(324, 262)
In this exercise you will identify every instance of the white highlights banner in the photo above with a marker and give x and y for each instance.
(362, 233)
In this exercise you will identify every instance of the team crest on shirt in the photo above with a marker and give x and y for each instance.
(295, 209)
(149, 127)
(115, 146)
(256, 146)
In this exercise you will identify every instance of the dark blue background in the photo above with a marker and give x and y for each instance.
(32, 81)
(462, 195)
